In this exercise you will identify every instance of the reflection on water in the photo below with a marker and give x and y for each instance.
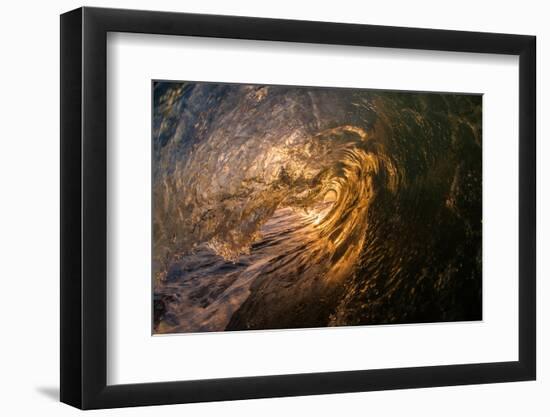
(280, 207)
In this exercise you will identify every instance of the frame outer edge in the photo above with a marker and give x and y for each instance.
(70, 214)
(528, 207)
(83, 209)
(94, 209)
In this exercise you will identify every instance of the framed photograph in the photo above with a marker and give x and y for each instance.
(257, 208)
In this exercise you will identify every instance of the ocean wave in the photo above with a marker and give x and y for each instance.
(285, 207)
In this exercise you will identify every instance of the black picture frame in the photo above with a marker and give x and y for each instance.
(84, 207)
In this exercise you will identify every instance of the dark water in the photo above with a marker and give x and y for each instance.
(282, 207)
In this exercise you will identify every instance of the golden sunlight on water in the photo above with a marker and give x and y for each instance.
(284, 207)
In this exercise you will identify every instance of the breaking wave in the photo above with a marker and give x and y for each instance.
(285, 207)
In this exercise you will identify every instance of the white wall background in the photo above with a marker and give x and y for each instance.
(29, 225)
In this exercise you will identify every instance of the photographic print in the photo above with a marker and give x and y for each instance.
(286, 207)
